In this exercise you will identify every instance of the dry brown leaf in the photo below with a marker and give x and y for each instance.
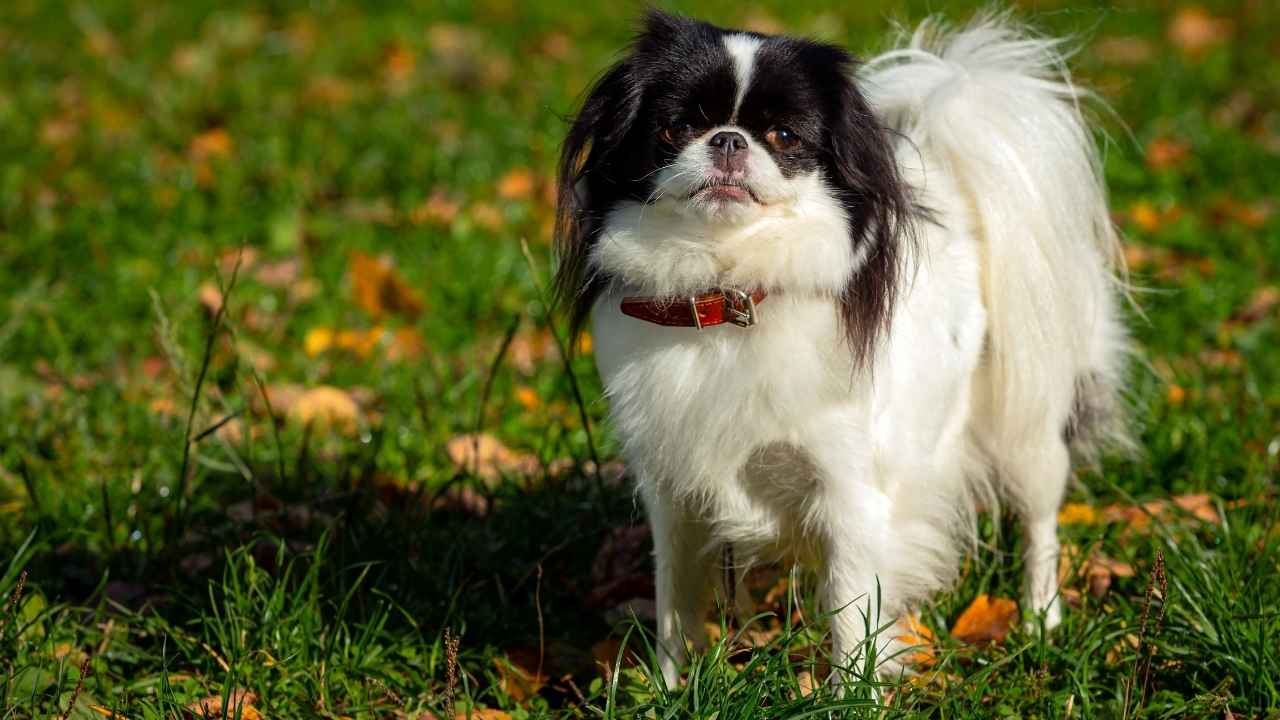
(517, 184)
(326, 407)
(437, 209)
(1124, 50)
(279, 274)
(1263, 301)
(406, 344)
(210, 144)
(529, 348)
(1250, 215)
(379, 290)
(527, 397)
(918, 635)
(487, 216)
(1194, 31)
(483, 714)
(210, 297)
(215, 706)
(398, 63)
(1167, 153)
(1199, 505)
(1075, 513)
(464, 500)
(986, 620)
(330, 91)
(520, 673)
(487, 457)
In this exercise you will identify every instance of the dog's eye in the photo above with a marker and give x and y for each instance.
(782, 138)
(673, 132)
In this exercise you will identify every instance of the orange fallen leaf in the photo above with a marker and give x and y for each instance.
(1125, 50)
(516, 184)
(487, 216)
(379, 290)
(917, 634)
(527, 397)
(210, 297)
(482, 714)
(326, 407)
(1176, 394)
(437, 209)
(317, 341)
(529, 348)
(486, 456)
(215, 706)
(1194, 31)
(986, 620)
(1075, 513)
(212, 143)
(520, 674)
(398, 63)
(1167, 153)
(1199, 505)
(1261, 303)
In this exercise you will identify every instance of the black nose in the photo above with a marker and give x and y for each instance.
(729, 151)
(728, 142)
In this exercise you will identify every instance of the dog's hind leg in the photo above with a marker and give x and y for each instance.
(1037, 476)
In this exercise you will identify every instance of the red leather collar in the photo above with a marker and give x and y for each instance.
(714, 307)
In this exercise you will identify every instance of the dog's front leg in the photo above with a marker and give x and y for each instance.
(682, 573)
(857, 584)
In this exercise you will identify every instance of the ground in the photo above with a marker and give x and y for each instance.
(312, 239)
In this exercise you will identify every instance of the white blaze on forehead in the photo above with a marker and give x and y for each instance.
(742, 50)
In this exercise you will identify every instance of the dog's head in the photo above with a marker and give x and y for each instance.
(701, 136)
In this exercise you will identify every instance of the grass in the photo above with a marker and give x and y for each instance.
(329, 568)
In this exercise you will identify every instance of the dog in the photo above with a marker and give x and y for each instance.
(836, 305)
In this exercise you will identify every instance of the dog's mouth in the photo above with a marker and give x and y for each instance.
(725, 191)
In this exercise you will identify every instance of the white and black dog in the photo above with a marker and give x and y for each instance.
(835, 304)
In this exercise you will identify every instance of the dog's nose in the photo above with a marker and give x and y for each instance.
(728, 141)
(729, 150)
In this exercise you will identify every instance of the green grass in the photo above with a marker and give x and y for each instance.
(314, 568)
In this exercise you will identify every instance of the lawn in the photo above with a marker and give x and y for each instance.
(286, 429)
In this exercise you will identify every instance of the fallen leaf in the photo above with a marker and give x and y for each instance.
(1194, 31)
(279, 274)
(1075, 513)
(917, 634)
(529, 348)
(210, 298)
(1167, 153)
(1176, 394)
(328, 90)
(212, 143)
(487, 216)
(986, 620)
(406, 344)
(1124, 50)
(1250, 215)
(1200, 505)
(520, 673)
(487, 457)
(527, 397)
(1263, 300)
(378, 288)
(464, 500)
(215, 706)
(437, 209)
(326, 407)
(605, 653)
(516, 184)
(398, 63)
(482, 714)
(317, 341)
(106, 713)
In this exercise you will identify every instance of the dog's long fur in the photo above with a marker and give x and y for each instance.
(955, 176)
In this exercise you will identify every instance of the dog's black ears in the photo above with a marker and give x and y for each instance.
(863, 170)
(586, 179)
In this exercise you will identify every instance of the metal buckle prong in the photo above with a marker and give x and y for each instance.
(740, 308)
(693, 310)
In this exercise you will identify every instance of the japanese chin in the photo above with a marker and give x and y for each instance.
(837, 305)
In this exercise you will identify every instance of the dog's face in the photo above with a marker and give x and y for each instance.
(701, 129)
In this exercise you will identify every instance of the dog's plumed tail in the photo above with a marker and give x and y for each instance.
(994, 107)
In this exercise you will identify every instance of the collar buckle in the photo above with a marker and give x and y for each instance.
(739, 307)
